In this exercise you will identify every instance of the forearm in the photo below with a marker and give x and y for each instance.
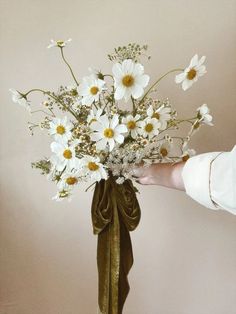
(165, 174)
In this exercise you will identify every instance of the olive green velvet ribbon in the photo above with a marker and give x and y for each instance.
(115, 212)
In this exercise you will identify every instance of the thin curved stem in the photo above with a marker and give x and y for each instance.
(153, 85)
(52, 96)
(63, 57)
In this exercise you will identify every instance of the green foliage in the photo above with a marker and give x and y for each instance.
(131, 51)
(44, 165)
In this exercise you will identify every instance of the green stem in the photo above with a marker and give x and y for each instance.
(134, 109)
(52, 96)
(63, 57)
(153, 85)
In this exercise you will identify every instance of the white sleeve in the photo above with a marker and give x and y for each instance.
(210, 179)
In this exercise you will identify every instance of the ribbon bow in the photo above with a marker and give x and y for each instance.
(115, 212)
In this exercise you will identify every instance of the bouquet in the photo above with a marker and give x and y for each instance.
(101, 126)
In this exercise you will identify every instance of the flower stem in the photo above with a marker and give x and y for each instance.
(52, 96)
(63, 57)
(153, 85)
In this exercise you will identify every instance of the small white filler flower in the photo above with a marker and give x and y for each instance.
(191, 74)
(129, 79)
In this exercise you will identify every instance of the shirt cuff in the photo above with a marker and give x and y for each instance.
(196, 176)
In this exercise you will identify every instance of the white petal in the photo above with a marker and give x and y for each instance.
(186, 84)
(121, 128)
(100, 145)
(96, 136)
(194, 61)
(114, 121)
(138, 69)
(56, 147)
(119, 138)
(179, 77)
(142, 80)
(137, 91)
(117, 70)
(202, 60)
(96, 126)
(127, 66)
(120, 92)
(111, 144)
(150, 111)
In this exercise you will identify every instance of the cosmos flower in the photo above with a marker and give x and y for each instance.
(107, 132)
(129, 79)
(191, 74)
(132, 124)
(61, 129)
(59, 43)
(162, 114)
(90, 89)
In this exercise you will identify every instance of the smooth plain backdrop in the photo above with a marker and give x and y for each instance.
(185, 254)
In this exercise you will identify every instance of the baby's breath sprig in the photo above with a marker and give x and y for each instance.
(131, 51)
(44, 165)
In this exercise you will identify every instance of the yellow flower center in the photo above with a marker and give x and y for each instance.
(148, 127)
(191, 74)
(108, 133)
(185, 158)
(61, 129)
(60, 43)
(67, 154)
(131, 125)
(156, 115)
(164, 152)
(94, 90)
(93, 166)
(71, 180)
(128, 80)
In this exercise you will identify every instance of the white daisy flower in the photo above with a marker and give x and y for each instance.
(129, 79)
(94, 115)
(187, 153)
(132, 124)
(162, 114)
(59, 43)
(165, 150)
(150, 127)
(61, 129)
(90, 89)
(191, 74)
(64, 156)
(69, 179)
(93, 169)
(61, 195)
(107, 132)
(20, 99)
(203, 114)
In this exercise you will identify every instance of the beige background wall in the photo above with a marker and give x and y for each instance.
(185, 254)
